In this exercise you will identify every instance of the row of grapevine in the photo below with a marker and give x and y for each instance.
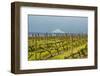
(47, 45)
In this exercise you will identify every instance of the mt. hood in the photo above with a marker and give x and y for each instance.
(58, 31)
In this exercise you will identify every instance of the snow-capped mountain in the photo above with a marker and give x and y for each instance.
(57, 31)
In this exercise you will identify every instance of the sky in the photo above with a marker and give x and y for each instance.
(67, 24)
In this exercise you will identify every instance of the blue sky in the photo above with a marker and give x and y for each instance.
(68, 24)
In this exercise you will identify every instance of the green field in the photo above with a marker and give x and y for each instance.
(53, 47)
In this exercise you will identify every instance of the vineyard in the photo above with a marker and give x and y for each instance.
(51, 46)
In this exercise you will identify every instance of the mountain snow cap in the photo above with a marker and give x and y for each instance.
(58, 31)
